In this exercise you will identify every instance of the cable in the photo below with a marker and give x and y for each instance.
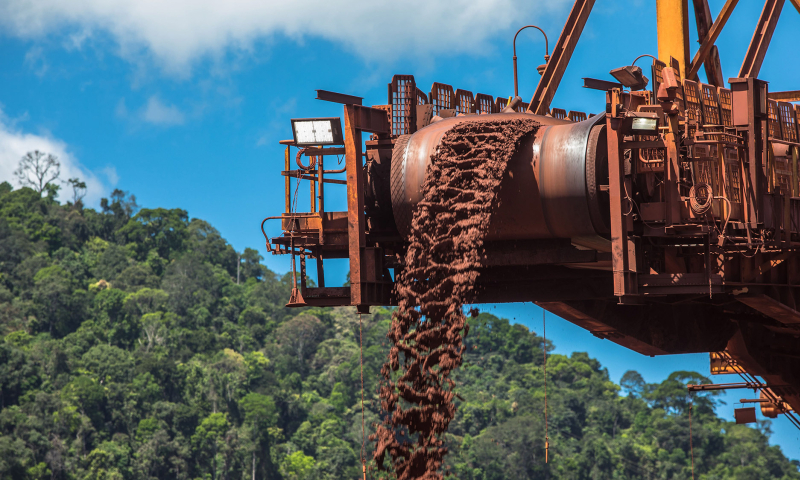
(727, 217)
(703, 192)
(644, 55)
(544, 342)
(361, 361)
(691, 446)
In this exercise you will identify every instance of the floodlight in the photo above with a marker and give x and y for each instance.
(317, 131)
(649, 124)
(641, 123)
(630, 76)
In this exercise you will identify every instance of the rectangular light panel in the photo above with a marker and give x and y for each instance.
(650, 124)
(317, 131)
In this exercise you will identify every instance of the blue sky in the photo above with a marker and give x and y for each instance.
(182, 103)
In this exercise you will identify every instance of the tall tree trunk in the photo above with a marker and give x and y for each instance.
(254, 465)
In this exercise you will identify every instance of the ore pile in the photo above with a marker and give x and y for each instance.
(441, 267)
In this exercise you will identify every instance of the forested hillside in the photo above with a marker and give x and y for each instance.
(138, 344)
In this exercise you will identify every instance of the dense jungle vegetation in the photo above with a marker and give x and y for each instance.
(138, 344)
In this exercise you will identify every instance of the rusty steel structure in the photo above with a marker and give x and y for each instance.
(668, 223)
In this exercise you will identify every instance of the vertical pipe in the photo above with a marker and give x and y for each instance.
(320, 269)
(794, 191)
(312, 186)
(321, 182)
(673, 31)
(288, 181)
(722, 188)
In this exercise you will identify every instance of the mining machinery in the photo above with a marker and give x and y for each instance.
(667, 221)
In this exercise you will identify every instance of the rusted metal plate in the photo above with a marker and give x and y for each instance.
(710, 103)
(327, 296)
(534, 253)
(692, 101)
(422, 99)
(338, 97)
(356, 223)
(599, 328)
(774, 120)
(576, 116)
(403, 98)
(771, 308)
(789, 96)
(725, 106)
(596, 84)
(371, 120)
(788, 121)
(314, 151)
(441, 97)
(465, 102)
(680, 284)
(330, 221)
(745, 415)
(484, 104)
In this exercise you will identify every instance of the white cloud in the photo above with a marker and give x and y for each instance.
(158, 113)
(111, 174)
(36, 61)
(179, 32)
(15, 143)
(121, 110)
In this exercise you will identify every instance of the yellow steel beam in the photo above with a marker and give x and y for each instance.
(711, 37)
(673, 31)
(796, 4)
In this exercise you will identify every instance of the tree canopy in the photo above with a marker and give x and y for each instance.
(129, 350)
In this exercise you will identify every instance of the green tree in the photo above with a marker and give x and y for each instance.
(298, 466)
(209, 439)
(37, 169)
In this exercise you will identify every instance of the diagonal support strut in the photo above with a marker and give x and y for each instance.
(761, 38)
(560, 57)
(708, 54)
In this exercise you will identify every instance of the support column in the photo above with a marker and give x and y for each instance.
(673, 32)
(625, 280)
(356, 223)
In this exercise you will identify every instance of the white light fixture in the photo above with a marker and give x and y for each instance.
(317, 131)
(641, 123)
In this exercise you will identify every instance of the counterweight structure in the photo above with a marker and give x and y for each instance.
(667, 222)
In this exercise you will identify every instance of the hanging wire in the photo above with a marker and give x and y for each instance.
(361, 361)
(691, 445)
(544, 337)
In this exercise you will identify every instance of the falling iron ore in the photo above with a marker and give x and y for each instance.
(441, 267)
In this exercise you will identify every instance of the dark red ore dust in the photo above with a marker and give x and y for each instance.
(441, 266)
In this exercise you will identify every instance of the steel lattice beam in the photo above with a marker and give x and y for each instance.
(761, 38)
(710, 61)
(560, 57)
